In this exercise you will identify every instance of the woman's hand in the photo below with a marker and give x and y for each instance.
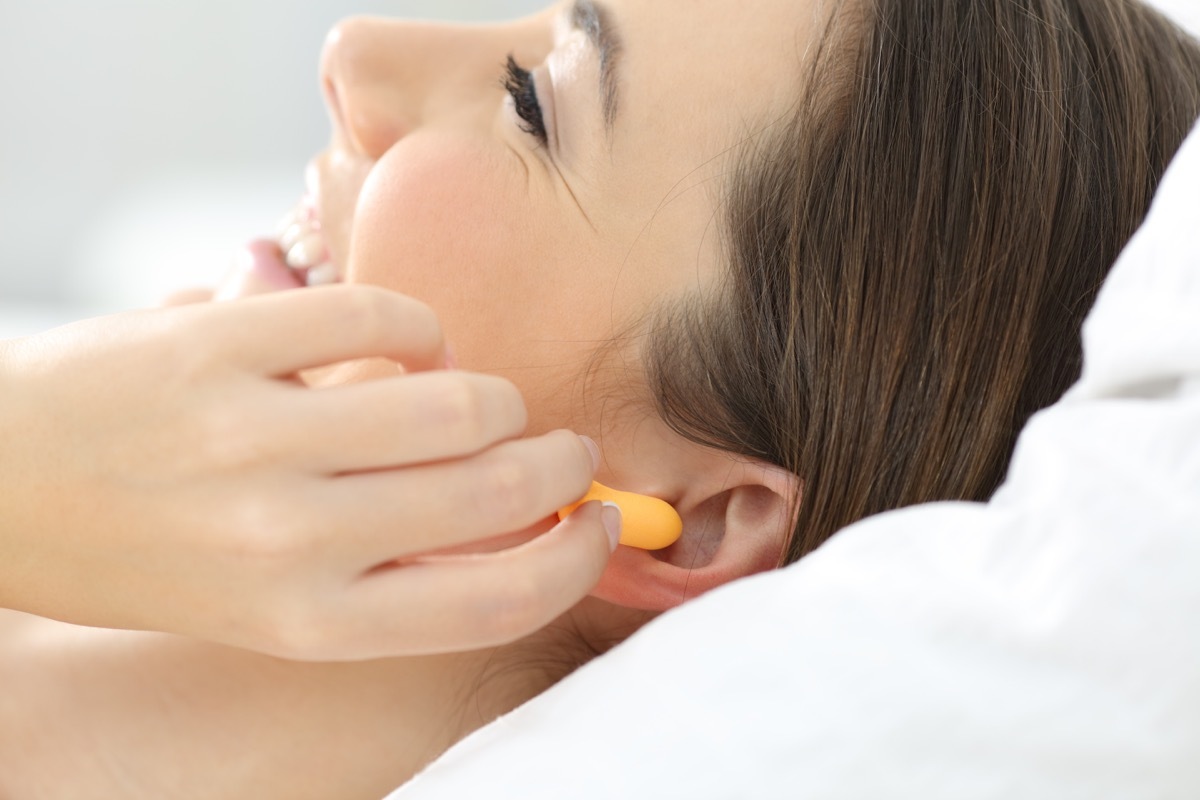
(166, 470)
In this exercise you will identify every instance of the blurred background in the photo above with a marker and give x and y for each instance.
(142, 141)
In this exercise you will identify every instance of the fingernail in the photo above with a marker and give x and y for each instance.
(610, 517)
(594, 449)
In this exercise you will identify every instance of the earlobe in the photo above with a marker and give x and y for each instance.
(734, 527)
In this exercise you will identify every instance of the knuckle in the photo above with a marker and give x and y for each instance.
(295, 632)
(366, 311)
(375, 315)
(270, 534)
(191, 366)
(226, 436)
(460, 411)
(516, 612)
(508, 489)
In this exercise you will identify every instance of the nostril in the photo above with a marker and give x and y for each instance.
(359, 79)
(333, 101)
(330, 65)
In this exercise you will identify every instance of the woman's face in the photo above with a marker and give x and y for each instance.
(536, 250)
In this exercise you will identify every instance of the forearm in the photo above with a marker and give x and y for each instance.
(15, 558)
(97, 713)
(61, 735)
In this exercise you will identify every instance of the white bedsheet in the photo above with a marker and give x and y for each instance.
(1044, 645)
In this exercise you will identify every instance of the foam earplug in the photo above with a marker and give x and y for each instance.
(646, 522)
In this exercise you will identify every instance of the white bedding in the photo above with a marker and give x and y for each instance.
(1044, 645)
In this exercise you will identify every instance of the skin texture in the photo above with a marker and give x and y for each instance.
(227, 508)
(533, 257)
(572, 242)
(571, 245)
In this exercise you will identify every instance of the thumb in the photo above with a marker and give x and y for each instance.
(258, 269)
(573, 555)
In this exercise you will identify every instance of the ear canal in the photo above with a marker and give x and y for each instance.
(732, 533)
(703, 532)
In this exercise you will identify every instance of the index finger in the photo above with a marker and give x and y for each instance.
(456, 603)
(284, 332)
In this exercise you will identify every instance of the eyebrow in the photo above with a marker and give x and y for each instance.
(596, 21)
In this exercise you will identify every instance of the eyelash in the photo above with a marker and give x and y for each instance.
(521, 87)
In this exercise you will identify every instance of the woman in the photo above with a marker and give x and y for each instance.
(788, 268)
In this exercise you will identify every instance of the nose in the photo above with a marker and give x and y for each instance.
(361, 87)
(383, 78)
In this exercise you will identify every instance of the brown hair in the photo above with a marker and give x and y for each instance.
(912, 252)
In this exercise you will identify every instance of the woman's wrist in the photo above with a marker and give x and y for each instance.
(26, 461)
(12, 555)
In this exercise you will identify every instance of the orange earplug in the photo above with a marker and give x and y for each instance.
(646, 522)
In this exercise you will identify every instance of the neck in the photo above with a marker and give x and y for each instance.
(364, 727)
(495, 681)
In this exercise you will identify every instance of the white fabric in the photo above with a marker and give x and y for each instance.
(1044, 645)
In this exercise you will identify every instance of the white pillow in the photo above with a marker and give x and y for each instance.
(1044, 645)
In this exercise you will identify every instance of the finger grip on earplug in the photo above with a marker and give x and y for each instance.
(646, 522)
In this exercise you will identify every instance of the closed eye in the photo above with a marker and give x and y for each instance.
(519, 84)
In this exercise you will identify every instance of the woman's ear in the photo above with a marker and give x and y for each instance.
(736, 522)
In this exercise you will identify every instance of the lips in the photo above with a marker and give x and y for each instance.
(298, 255)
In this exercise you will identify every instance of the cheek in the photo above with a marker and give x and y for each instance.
(429, 211)
(457, 226)
(439, 221)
